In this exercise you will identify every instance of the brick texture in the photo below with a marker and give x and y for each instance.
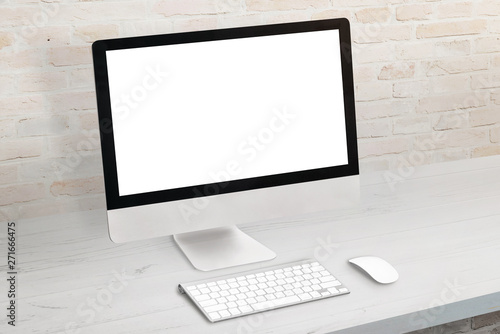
(442, 29)
(421, 68)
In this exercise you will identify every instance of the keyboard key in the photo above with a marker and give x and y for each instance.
(305, 296)
(275, 303)
(201, 298)
(214, 315)
(330, 284)
(333, 290)
(250, 294)
(270, 296)
(270, 290)
(231, 305)
(251, 301)
(326, 279)
(215, 308)
(222, 300)
(245, 309)
(261, 298)
(234, 311)
(207, 303)
(241, 303)
(224, 313)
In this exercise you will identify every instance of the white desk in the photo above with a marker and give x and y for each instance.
(440, 228)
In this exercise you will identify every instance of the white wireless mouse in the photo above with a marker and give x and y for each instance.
(379, 269)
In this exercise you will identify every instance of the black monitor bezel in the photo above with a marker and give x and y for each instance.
(99, 48)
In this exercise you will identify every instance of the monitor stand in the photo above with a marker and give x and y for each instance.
(221, 247)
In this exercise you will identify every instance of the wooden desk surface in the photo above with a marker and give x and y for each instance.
(439, 225)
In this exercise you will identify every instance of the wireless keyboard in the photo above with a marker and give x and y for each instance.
(246, 293)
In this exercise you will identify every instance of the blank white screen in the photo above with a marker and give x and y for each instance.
(198, 113)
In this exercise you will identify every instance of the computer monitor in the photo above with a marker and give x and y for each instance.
(202, 131)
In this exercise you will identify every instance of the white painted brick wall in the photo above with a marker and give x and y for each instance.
(425, 71)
